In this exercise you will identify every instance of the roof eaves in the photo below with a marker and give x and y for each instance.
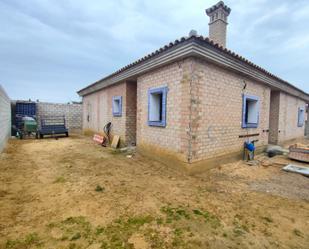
(204, 41)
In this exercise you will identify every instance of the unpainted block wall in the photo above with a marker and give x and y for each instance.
(204, 110)
(274, 117)
(176, 77)
(288, 118)
(5, 118)
(97, 111)
(72, 113)
(307, 122)
(217, 32)
(131, 112)
(218, 117)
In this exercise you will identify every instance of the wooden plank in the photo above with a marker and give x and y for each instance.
(115, 141)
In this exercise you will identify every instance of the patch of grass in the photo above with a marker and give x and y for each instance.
(74, 228)
(115, 152)
(99, 188)
(267, 219)
(99, 230)
(197, 212)
(174, 213)
(178, 239)
(174, 228)
(159, 221)
(32, 238)
(240, 228)
(29, 240)
(155, 239)
(60, 179)
(238, 231)
(209, 218)
(76, 236)
(297, 232)
(116, 234)
(72, 246)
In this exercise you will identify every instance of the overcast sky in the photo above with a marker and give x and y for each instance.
(49, 49)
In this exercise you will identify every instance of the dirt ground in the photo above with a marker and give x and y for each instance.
(71, 193)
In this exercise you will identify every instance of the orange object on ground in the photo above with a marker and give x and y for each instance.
(98, 139)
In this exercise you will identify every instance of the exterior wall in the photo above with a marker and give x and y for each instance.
(307, 122)
(72, 113)
(274, 117)
(288, 118)
(218, 115)
(97, 111)
(173, 137)
(5, 118)
(203, 111)
(217, 32)
(131, 112)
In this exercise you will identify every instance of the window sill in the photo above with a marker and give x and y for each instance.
(117, 115)
(250, 126)
(157, 123)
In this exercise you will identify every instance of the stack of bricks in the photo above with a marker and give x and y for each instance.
(5, 118)
(299, 153)
(72, 113)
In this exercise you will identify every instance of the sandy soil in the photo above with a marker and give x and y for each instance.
(71, 193)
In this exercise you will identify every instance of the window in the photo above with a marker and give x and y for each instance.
(301, 116)
(250, 111)
(157, 107)
(117, 106)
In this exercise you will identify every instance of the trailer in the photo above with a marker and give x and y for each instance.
(24, 121)
(52, 125)
(23, 109)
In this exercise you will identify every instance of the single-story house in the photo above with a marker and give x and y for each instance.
(196, 101)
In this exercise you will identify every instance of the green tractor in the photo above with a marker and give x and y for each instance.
(28, 127)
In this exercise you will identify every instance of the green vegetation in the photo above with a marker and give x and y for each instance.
(31, 239)
(267, 219)
(60, 179)
(180, 223)
(99, 188)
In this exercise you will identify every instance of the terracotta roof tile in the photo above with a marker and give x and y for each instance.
(201, 39)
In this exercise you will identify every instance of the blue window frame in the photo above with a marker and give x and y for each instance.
(117, 106)
(301, 116)
(250, 111)
(157, 106)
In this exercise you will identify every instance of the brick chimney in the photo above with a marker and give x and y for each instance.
(218, 22)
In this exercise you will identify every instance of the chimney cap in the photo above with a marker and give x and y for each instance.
(192, 33)
(217, 6)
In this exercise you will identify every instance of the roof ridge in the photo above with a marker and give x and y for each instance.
(201, 38)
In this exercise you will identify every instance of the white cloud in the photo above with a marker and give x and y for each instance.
(75, 42)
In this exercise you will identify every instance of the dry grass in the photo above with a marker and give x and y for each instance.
(71, 193)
